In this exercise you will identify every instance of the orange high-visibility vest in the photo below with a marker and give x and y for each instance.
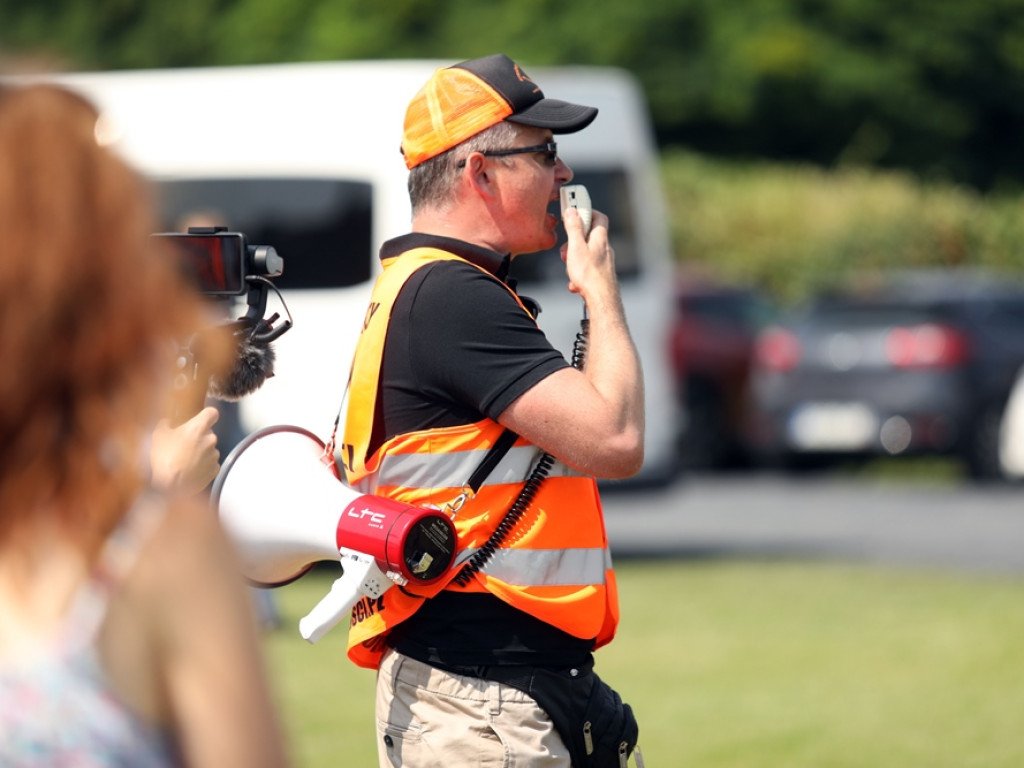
(555, 565)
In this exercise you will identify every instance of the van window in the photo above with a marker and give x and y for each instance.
(321, 227)
(609, 193)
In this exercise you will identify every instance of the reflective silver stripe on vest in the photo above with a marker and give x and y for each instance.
(546, 567)
(453, 470)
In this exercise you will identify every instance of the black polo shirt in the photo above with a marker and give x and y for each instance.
(459, 348)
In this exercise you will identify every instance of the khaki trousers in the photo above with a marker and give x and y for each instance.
(428, 718)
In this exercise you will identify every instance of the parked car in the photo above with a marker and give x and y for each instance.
(921, 365)
(713, 333)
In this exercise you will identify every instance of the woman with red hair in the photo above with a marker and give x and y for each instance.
(126, 635)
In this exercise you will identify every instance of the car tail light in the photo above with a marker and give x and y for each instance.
(925, 346)
(777, 350)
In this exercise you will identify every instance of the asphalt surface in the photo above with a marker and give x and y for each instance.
(957, 526)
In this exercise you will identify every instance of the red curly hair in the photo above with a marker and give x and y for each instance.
(88, 313)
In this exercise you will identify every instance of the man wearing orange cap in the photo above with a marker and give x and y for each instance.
(459, 402)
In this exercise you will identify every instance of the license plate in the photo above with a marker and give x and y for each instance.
(833, 427)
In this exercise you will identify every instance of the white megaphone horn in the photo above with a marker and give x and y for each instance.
(281, 502)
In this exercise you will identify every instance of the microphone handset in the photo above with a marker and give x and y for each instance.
(572, 196)
(576, 196)
(222, 265)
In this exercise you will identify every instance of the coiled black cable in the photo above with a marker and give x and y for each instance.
(579, 347)
(483, 555)
(540, 471)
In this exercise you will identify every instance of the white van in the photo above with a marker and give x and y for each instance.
(305, 158)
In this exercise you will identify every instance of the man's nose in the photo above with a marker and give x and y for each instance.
(563, 172)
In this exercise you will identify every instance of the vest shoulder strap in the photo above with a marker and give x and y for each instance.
(364, 376)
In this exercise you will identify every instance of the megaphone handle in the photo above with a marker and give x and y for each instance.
(361, 577)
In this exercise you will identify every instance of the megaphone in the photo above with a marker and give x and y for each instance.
(280, 500)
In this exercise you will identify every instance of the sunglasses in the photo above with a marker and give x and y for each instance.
(550, 151)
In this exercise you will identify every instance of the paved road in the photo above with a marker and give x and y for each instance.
(957, 526)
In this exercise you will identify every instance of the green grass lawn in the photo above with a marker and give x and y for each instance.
(749, 665)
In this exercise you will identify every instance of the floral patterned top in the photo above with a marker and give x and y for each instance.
(57, 708)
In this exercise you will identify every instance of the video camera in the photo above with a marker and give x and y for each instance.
(222, 265)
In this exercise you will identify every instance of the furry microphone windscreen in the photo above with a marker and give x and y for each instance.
(254, 365)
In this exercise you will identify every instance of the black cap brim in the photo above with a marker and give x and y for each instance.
(559, 116)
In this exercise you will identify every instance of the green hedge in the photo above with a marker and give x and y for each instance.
(793, 229)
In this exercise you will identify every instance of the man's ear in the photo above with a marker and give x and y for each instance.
(481, 180)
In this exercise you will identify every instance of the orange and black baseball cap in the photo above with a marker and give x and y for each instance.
(458, 102)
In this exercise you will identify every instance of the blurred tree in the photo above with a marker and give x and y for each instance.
(930, 85)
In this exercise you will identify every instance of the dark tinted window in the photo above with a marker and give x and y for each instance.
(1003, 313)
(609, 193)
(737, 310)
(321, 227)
(857, 315)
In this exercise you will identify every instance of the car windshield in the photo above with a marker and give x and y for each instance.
(863, 314)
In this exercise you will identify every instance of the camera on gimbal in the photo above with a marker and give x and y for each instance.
(222, 265)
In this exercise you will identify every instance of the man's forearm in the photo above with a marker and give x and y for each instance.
(612, 363)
